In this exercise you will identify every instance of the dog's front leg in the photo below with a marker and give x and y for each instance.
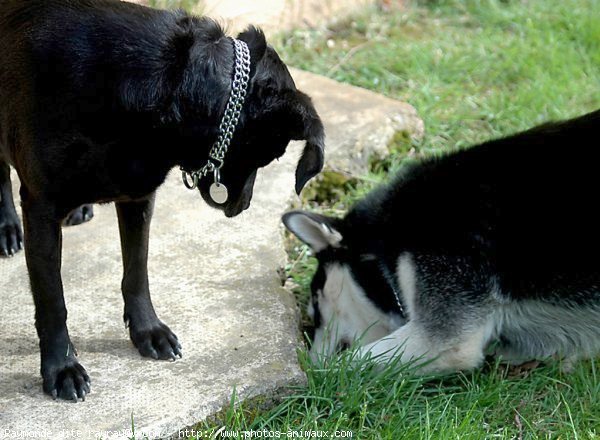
(151, 337)
(62, 374)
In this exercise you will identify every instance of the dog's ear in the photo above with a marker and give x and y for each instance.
(257, 44)
(315, 230)
(181, 41)
(313, 132)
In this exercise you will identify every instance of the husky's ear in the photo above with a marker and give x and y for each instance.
(315, 230)
(311, 162)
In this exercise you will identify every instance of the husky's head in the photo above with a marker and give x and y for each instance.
(350, 299)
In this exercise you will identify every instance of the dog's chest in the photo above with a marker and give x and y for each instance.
(116, 171)
(130, 179)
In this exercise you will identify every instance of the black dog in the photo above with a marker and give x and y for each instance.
(98, 101)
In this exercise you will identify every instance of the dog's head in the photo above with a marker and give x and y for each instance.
(274, 112)
(350, 298)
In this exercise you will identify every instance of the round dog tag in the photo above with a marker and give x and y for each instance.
(218, 192)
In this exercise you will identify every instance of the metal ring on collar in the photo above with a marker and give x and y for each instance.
(194, 176)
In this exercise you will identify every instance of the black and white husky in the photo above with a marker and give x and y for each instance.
(496, 243)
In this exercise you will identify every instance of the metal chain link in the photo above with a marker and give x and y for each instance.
(231, 117)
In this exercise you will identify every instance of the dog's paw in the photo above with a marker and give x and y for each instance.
(11, 234)
(157, 342)
(66, 380)
(80, 215)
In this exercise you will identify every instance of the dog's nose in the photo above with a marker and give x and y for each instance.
(342, 345)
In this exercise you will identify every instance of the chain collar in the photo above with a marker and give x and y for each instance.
(390, 279)
(231, 117)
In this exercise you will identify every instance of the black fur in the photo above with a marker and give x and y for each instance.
(519, 207)
(99, 99)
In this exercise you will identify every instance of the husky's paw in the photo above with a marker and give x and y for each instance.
(80, 215)
(568, 364)
(157, 342)
(65, 379)
(11, 234)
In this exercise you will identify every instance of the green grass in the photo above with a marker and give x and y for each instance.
(474, 69)
(393, 404)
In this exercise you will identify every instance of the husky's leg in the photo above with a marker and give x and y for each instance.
(412, 344)
(535, 329)
(450, 303)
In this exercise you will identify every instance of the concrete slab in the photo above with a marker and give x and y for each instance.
(279, 15)
(359, 123)
(214, 281)
(275, 15)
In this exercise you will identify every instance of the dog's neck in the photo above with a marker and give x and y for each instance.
(229, 120)
(187, 100)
